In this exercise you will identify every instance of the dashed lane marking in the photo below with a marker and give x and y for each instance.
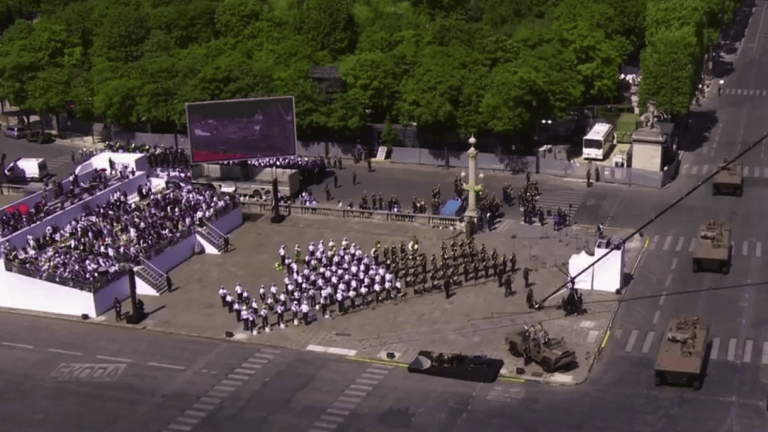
(217, 394)
(238, 377)
(344, 405)
(669, 279)
(692, 245)
(680, 243)
(231, 382)
(325, 425)
(15, 345)
(337, 411)
(759, 249)
(327, 417)
(667, 242)
(715, 348)
(259, 360)
(365, 381)
(656, 317)
(661, 299)
(355, 393)
(64, 351)
(203, 406)
(674, 263)
(180, 427)
(188, 420)
(371, 376)
(361, 387)
(648, 342)
(210, 400)
(114, 359)
(271, 351)
(631, 341)
(251, 365)
(765, 353)
(748, 351)
(592, 336)
(654, 242)
(732, 349)
(745, 248)
(378, 371)
(167, 366)
(269, 356)
(224, 388)
(194, 413)
(351, 399)
(245, 371)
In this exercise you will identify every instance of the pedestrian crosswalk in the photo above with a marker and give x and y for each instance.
(676, 243)
(722, 348)
(744, 92)
(59, 161)
(689, 169)
(569, 199)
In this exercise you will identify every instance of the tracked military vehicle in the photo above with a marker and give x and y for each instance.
(534, 343)
(713, 249)
(682, 352)
(729, 180)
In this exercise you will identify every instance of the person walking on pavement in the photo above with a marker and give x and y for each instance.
(118, 310)
(597, 174)
(354, 177)
(447, 288)
(370, 168)
(228, 301)
(526, 276)
(530, 300)
(223, 296)
(328, 196)
(589, 177)
(244, 318)
(72, 156)
(335, 181)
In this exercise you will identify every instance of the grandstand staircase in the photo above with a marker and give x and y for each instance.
(213, 236)
(152, 276)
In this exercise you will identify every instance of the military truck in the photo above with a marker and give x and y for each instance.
(729, 180)
(534, 343)
(682, 352)
(713, 250)
(36, 136)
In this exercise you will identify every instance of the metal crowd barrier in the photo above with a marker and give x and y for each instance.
(432, 221)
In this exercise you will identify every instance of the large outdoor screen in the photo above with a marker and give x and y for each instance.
(241, 129)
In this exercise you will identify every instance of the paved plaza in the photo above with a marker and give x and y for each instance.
(474, 321)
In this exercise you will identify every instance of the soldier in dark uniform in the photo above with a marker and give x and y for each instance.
(526, 275)
(486, 267)
(402, 248)
(447, 288)
(495, 267)
(530, 300)
(513, 263)
(328, 196)
(503, 264)
(476, 270)
(465, 269)
(354, 177)
(494, 254)
(335, 181)
(508, 286)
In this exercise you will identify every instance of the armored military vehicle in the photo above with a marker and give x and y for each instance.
(682, 351)
(38, 137)
(713, 249)
(534, 343)
(729, 181)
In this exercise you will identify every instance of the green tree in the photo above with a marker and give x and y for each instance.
(330, 24)
(389, 137)
(541, 84)
(671, 69)
(376, 78)
(234, 16)
(115, 101)
(120, 37)
(49, 91)
(18, 63)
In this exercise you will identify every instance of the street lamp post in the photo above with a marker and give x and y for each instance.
(471, 187)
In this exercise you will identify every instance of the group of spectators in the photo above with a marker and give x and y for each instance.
(100, 242)
(311, 170)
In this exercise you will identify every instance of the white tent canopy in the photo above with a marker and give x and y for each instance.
(606, 275)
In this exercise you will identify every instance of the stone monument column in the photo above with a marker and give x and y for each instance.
(471, 187)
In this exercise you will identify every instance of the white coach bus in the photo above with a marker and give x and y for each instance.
(598, 142)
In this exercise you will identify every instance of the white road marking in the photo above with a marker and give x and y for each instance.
(765, 172)
(656, 317)
(661, 299)
(592, 336)
(63, 351)
(210, 400)
(217, 394)
(350, 399)
(114, 358)
(337, 411)
(269, 350)
(324, 425)
(188, 420)
(679, 244)
(330, 350)
(269, 356)
(361, 387)
(371, 376)
(746, 171)
(344, 405)
(238, 377)
(648, 342)
(180, 427)
(715, 348)
(365, 381)
(654, 242)
(731, 349)
(667, 243)
(695, 170)
(224, 388)
(355, 393)
(232, 382)
(163, 365)
(669, 279)
(738, 91)
(258, 360)
(251, 365)
(618, 333)
(18, 345)
(203, 406)
(326, 417)
(747, 352)
(759, 249)
(692, 245)
(745, 248)
(765, 353)
(631, 341)
(245, 371)
(685, 169)
(194, 413)
(674, 263)
(378, 371)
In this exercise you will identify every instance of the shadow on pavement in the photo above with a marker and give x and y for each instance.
(699, 124)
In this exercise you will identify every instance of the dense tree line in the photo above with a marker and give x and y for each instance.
(462, 65)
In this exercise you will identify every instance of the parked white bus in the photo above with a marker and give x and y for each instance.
(598, 142)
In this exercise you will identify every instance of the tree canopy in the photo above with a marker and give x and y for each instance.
(447, 65)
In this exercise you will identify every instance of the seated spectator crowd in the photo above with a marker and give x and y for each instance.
(103, 239)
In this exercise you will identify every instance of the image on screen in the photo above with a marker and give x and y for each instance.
(241, 129)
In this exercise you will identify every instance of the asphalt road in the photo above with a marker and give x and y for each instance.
(58, 156)
(208, 385)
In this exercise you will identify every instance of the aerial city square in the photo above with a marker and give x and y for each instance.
(383, 215)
